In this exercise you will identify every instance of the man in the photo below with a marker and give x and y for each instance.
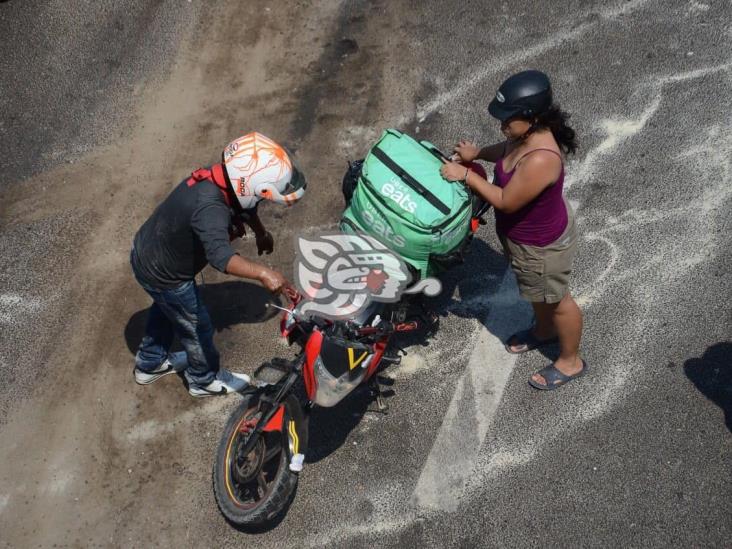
(193, 227)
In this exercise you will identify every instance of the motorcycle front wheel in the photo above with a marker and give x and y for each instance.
(252, 490)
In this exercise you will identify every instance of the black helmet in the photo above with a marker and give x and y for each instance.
(524, 94)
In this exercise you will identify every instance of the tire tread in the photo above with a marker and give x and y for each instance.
(278, 500)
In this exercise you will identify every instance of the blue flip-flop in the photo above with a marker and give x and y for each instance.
(554, 378)
(527, 341)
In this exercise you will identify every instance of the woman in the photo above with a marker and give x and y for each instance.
(534, 222)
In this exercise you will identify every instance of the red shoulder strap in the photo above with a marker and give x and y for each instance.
(216, 175)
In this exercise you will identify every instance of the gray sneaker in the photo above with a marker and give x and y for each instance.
(225, 382)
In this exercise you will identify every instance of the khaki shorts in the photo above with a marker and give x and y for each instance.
(543, 272)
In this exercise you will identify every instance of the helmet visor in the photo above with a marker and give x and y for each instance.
(297, 181)
(501, 111)
(293, 191)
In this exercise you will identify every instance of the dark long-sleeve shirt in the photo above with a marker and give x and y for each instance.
(189, 229)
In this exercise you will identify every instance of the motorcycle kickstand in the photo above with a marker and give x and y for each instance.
(382, 407)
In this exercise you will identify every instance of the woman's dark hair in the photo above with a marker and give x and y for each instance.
(555, 120)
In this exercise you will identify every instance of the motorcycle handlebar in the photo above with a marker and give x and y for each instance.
(293, 295)
(382, 328)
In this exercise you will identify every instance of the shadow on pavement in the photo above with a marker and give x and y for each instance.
(479, 284)
(712, 375)
(329, 427)
(474, 279)
(236, 302)
(228, 304)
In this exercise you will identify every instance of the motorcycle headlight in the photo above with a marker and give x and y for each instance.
(331, 390)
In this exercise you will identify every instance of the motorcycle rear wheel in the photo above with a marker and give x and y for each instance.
(253, 490)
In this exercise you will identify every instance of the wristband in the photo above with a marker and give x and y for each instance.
(465, 179)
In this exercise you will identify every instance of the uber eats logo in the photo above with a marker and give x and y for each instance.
(390, 190)
(382, 229)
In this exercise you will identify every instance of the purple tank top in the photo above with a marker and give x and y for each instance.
(542, 220)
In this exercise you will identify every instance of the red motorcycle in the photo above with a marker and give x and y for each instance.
(263, 446)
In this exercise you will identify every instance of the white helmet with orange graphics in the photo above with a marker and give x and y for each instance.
(258, 168)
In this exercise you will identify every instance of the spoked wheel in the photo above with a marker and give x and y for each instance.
(252, 489)
(249, 477)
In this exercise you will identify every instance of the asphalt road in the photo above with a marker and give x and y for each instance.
(124, 101)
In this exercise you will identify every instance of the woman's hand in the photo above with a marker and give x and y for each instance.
(452, 171)
(467, 151)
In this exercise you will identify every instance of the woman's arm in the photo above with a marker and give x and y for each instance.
(532, 176)
(468, 151)
(492, 153)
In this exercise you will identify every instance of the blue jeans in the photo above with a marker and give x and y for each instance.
(179, 311)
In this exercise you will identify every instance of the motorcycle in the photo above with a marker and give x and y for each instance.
(263, 446)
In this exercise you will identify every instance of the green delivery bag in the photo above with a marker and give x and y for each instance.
(402, 200)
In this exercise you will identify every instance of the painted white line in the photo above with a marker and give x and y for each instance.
(501, 64)
(585, 298)
(689, 75)
(697, 7)
(497, 66)
(153, 429)
(455, 451)
(14, 307)
(617, 130)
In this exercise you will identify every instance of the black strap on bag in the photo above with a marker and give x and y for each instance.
(410, 181)
(350, 179)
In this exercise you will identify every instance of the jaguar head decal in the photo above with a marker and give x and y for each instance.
(340, 274)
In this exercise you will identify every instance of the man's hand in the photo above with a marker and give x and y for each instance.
(236, 230)
(265, 243)
(274, 281)
(466, 151)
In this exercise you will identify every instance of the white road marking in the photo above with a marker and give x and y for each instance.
(617, 131)
(584, 298)
(689, 75)
(715, 156)
(152, 429)
(697, 7)
(454, 453)
(504, 459)
(411, 364)
(14, 306)
(446, 474)
(501, 64)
